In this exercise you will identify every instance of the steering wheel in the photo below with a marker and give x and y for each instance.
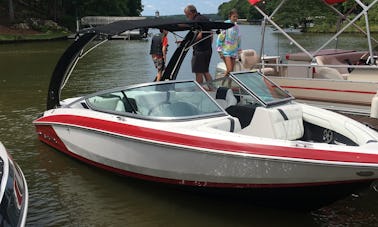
(328, 136)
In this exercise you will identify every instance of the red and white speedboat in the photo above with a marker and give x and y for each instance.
(245, 134)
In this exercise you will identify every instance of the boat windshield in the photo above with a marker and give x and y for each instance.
(158, 100)
(262, 88)
(251, 88)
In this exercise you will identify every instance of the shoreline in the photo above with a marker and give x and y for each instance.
(15, 35)
(22, 37)
(10, 41)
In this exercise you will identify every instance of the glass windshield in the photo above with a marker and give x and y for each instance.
(263, 88)
(170, 99)
(250, 88)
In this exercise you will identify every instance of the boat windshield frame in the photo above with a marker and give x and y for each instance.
(273, 95)
(194, 102)
(276, 94)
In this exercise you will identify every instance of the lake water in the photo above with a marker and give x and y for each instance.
(66, 192)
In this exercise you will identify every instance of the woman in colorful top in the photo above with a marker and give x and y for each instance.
(228, 42)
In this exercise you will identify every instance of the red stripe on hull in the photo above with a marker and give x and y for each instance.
(49, 129)
(207, 143)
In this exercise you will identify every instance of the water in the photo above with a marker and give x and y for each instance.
(66, 192)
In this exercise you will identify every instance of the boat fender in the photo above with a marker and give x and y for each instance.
(374, 106)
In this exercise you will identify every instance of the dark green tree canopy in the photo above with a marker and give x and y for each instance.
(66, 11)
(299, 12)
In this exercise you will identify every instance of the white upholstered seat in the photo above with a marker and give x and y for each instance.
(225, 97)
(282, 122)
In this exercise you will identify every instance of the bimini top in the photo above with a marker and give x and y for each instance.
(74, 52)
(118, 27)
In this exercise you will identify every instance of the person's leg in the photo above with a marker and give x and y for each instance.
(199, 77)
(158, 75)
(156, 67)
(208, 76)
(160, 68)
(232, 64)
(229, 64)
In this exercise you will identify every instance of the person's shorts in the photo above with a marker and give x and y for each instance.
(159, 63)
(201, 61)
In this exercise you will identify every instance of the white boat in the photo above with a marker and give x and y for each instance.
(14, 196)
(343, 80)
(244, 134)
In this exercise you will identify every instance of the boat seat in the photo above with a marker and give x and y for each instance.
(282, 122)
(177, 109)
(146, 101)
(105, 103)
(346, 59)
(120, 107)
(249, 59)
(126, 105)
(328, 73)
(225, 97)
(243, 112)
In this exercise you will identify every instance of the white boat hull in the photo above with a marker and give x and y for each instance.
(179, 160)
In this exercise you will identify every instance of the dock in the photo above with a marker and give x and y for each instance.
(94, 21)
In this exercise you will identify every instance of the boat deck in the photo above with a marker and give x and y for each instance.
(369, 121)
(356, 112)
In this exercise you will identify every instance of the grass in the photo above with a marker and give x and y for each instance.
(32, 37)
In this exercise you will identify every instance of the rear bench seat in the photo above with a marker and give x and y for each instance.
(346, 59)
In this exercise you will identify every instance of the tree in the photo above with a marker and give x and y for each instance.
(242, 6)
(300, 12)
(65, 11)
(11, 10)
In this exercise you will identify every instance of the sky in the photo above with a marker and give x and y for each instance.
(174, 7)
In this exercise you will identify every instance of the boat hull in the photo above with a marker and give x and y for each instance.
(269, 181)
(196, 166)
(14, 195)
(331, 91)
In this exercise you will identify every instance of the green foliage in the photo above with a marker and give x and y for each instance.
(43, 36)
(300, 13)
(66, 11)
(108, 8)
(245, 10)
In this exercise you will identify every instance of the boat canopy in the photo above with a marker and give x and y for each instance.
(118, 27)
(365, 7)
(75, 51)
